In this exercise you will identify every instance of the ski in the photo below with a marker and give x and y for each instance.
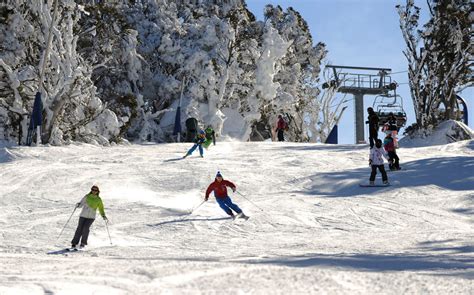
(72, 249)
(174, 159)
(241, 216)
(64, 251)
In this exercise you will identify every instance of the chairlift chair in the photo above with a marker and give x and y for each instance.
(387, 104)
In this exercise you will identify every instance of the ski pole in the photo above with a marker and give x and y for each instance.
(106, 227)
(190, 212)
(249, 200)
(66, 224)
(195, 208)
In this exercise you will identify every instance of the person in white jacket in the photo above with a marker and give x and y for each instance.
(376, 161)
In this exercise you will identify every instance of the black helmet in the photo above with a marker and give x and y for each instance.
(370, 110)
(378, 143)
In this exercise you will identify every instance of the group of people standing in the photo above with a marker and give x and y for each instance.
(386, 149)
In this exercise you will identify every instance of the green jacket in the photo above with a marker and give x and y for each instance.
(90, 203)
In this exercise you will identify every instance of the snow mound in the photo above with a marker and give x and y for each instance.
(6, 155)
(447, 132)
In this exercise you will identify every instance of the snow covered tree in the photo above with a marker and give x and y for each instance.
(328, 109)
(114, 69)
(298, 72)
(53, 66)
(109, 43)
(439, 57)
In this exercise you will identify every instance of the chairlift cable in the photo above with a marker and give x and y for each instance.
(398, 72)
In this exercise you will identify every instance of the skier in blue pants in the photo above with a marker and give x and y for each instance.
(219, 186)
(198, 141)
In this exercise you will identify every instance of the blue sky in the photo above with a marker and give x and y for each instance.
(358, 33)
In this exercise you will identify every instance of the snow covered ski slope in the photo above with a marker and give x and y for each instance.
(312, 230)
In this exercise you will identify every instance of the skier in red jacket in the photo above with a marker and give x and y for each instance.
(219, 186)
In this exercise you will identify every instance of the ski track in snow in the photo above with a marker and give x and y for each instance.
(319, 232)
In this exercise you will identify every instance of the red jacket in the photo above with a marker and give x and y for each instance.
(219, 188)
(281, 124)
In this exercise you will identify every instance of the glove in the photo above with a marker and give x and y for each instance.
(234, 189)
(206, 198)
(370, 162)
(78, 205)
(105, 218)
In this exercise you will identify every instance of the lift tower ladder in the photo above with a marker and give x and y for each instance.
(359, 82)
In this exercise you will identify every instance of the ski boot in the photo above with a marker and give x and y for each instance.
(372, 183)
(386, 182)
(242, 215)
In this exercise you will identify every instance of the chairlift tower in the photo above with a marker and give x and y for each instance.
(361, 81)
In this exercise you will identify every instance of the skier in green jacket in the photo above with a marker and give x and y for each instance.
(89, 203)
(210, 137)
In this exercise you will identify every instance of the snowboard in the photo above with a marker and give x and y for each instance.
(373, 185)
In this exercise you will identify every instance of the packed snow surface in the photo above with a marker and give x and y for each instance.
(312, 229)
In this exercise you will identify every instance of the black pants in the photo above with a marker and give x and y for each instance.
(82, 230)
(373, 135)
(394, 159)
(280, 135)
(374, 172)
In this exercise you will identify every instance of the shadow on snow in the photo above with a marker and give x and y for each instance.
(325, 147)
(462, 266)
(451, 173)
(6, 155)
(179, 220)
(446, 246)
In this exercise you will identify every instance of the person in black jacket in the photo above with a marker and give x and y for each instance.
(373, 121)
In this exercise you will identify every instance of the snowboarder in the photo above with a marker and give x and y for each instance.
(219, 186)
(198, 141)
(89, 203)
(281, 127)
(210, 137)
(389, 146)
(376, 161)
(373, 121)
